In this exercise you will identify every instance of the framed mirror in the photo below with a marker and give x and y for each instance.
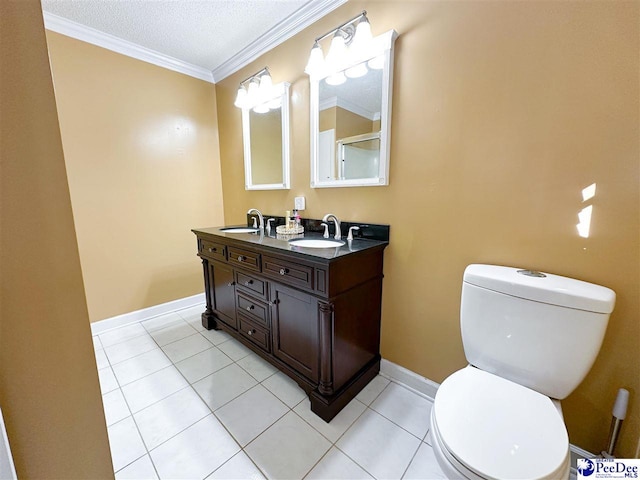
(351, 119)
(265, 136)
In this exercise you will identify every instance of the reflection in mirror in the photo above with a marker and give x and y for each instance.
(359, 156)
(266, 146)
(350, 114)
(350, 121)
(266, 143)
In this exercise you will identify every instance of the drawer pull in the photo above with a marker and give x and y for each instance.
(284, 271)
(250, 307)
(251, 332)
(248, 282)
(241, 258)
(213, 249)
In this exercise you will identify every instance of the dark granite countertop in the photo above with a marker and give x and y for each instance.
(279, 243)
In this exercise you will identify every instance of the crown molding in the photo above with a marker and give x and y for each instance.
(78, 31)
(301, 19)
(350, 106)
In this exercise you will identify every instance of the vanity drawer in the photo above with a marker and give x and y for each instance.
(288, 272)
(213, 250)
(254, 333)
(251, 284)
(244, 258)
(254, 309)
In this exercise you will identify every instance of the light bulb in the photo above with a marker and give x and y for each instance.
(316, 61)
(376, 63)
(266, 86)
(362, 38)
(337, 51)
(241, 98)
(262, 108)
(337, 78)
(252, 93)
(356, 71)
(274, 104)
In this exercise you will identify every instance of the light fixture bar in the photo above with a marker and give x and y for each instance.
(257, 74)
(322, 37)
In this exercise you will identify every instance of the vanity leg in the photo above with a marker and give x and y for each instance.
(328, 406)
(325, 386)
(208, 318)
(209, 321)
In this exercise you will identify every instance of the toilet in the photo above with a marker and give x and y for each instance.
(530, 339)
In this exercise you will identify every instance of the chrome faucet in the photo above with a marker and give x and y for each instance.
(326, 230)
(260, 218)
(326, 218)
(351, 229)
(268, 227)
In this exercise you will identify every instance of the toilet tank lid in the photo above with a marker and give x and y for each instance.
(542, 287)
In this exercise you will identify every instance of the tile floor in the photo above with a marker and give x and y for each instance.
(182, 402)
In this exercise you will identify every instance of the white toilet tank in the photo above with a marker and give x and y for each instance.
(540, 330)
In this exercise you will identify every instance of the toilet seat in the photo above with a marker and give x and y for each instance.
(492, 428)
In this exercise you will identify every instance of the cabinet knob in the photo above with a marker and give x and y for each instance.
(284, 271)
(213, 249)
(241, 258)
(249, 308)
(231, 284)
(248, 282)
(251, 332)
(274, 302)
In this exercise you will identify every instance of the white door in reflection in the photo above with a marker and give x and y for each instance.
(327, 148)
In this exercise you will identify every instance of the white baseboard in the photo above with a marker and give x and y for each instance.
(428, 388)
(408, 378)
(146, 313)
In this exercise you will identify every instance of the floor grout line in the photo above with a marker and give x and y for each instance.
(212, 412)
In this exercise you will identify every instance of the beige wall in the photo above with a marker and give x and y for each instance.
(502, 113)
(141, 147)
(49, 390)
(349, 124)
(346, 123)
(327, 119)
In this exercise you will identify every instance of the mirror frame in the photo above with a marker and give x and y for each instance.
(381, 45)
(246, 141)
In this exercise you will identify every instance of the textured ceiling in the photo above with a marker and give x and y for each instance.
(205, 33)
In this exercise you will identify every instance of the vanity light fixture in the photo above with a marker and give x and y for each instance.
(258, 92)
(351, 41)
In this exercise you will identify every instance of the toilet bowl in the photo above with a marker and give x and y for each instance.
(486, 427)
(530, 339)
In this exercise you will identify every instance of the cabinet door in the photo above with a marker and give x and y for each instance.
(294, 320)
(223, 293)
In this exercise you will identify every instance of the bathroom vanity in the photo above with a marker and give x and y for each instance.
(314, 313)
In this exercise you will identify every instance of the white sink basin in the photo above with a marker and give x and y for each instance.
(239, 230)
(316, 243)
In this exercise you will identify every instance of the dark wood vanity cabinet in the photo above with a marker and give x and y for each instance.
(317, 319)
(222, 293)
(294, 319)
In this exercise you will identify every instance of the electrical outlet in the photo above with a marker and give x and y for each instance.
(298, 203)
